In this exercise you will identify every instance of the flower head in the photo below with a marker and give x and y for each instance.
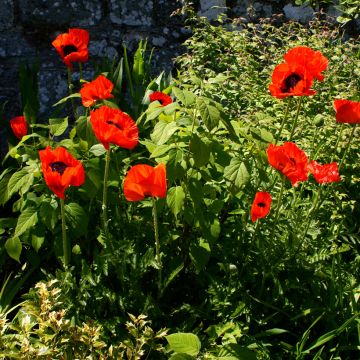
(112, 126)
(60, 170)
(289, 160)
(314, 61)
(161, 97)
(72, 46)
(324, 173)
(261, 205)
(144, 180)
(98, 89)
(19, 126)
(291, 80)
(347, 111)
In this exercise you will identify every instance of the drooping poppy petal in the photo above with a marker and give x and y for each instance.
(72, 46)
(112, 126)
(326, 173)
(289, 160)
(314, 61)
(163, 98)
(60, 170)
(347, 111)
(261, 205)
(144, 180)
(98, 89)
(291, 80)
(19, 126)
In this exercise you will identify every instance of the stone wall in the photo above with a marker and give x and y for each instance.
(27, 28)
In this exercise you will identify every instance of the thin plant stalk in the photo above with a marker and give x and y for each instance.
(277, 210)
(284, 120)
(157, 245)
(337, 141)
(80, 72)
(70, 85)
(104, 201)
(296, 119)
(342, 161)
(66, 245)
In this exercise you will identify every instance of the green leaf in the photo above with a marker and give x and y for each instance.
(17, 180)
(175, 199)
(181, 356)
(63, 100)
(209, 113)
(235, 351)
(4, 193)
(200, 151)
(49, 213)
(13, 247)
(186, 343)
(27, 219)
(237, 173)
(36, 242)
(163, 132)
(160, 150)
(200, 254)
(58, 126)
(186, 97)
(76, 218)
(98, 149)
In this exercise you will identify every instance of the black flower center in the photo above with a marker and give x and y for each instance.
(58, 166)
(290, 82)
(68, 49)
(110, 122)
(261, 204)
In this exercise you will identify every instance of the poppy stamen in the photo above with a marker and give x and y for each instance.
(58, 166)
(290, 82)
(68, 49)
(110, 122)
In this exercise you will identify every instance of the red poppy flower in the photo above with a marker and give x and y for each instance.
(161, 97)
(98, 89)
(72, 46)
(261, 205)
(314, 61)
(291, 80)
(60, 170)
(324, 173)
(112, 126)
(289, 160)
(19, 126)
(347, 111)
(145, 180)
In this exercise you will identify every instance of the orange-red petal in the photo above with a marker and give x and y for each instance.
(98, 89)
(347, 111)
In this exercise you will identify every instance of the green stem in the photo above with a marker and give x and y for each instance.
(157, 246)
(277, 211)
(80, 72)
(296, 118)
(342, 162)
(337, 142)
(70, 85)
(104, 202)
(284, 120)
(66, 244)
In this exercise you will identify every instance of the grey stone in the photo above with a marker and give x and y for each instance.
(131, 13)
(13, 44)
(211, 9)
(252, 10)
(102, 49)
(303, 13)
(6, 14)
(158, 41)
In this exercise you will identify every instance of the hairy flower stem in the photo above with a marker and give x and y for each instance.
(342, 161)
(71, 86)
(296, 119)
(157, 246)
(284, 120)
(104, 201)
(66, 244)
(277, 211)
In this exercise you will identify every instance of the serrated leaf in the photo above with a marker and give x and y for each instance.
(76, 218)
(27, 219)
(200, 151)
(17, 181)
(181, 356)
(49, 213)
(175, 199)
(98, 150)
(58, 126)
(36, 242)
(160, 150)
(163, 132)
(186, 97)
(4, 193)
(209, 113)
(237, 173)
(13, 247)
(235, 351)
(200, 254)
(186, 343)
